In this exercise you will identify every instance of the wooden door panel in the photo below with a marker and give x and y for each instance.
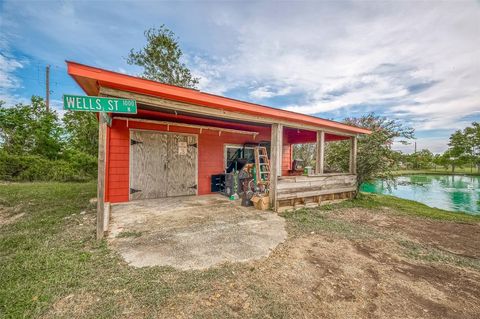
(182, 165)
(148, 165)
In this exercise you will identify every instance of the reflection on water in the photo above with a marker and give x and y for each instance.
(449, 192)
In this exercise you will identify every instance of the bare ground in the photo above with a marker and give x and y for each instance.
(349, 263)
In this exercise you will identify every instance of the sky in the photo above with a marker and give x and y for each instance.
(417, 62)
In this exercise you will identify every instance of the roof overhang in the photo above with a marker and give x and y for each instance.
(92, 79)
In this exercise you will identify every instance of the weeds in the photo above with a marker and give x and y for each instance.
(421, 252)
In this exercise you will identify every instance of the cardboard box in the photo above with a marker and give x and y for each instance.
(261, 203)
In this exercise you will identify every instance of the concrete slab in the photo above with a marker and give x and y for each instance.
(194, 232)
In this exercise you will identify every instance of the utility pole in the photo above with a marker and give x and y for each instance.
(47, 83)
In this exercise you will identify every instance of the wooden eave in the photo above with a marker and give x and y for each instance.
(96, 81)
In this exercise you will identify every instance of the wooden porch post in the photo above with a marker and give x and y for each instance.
(102, 144)
(275, 162)
(353, 155)
(320, 152)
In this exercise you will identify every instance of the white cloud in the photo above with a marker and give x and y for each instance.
(418, 63)
(268, 91)
(8, 66)
(414, 61)
(436, 145)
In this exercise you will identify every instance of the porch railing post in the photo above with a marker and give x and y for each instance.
(275, 162)
(319, 160)
(353, 155)
(102, 142)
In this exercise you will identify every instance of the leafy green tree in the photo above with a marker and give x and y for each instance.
(375, 158)
(305, 152)
(451, 159)
(422, 159)
(472, 136)
(81, 132)
(16, 128)
(438, 160)
(337, 155)
(30, 129)
(464, 147)
(161, 59)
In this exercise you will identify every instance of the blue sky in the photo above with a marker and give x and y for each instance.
(418, 62)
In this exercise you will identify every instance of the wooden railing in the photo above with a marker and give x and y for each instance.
(305, 191)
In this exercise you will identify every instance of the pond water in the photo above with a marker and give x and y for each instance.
(450, 192)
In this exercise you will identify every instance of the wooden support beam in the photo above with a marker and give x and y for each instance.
(275, 162)
(102, 152)
(320, 152)
(353, 155)
(200, 127)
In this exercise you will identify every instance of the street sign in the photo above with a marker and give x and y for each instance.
(98, 104)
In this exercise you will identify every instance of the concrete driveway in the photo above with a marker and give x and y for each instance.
(194, 232)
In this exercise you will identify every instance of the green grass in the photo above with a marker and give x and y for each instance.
(50, 259)
(127, 234)
(408, 207)
(316, 220)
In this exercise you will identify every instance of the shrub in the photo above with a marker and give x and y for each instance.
(78, 167)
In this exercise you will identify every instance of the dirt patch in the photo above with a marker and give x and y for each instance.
(9, 215)
(456, 238)
(337, 263)
(353, 263)
(86, 304)
(317, 277)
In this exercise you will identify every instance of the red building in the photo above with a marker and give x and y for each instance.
(181, 137)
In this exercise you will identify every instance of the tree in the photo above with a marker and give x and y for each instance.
(375, 158)
(81, 131)
(30, 129)
(422, 159)
(472, 137)
(35, 146)
(161, 59)
(463, 146)
(337, 156)
(305, 152)
(450, 159)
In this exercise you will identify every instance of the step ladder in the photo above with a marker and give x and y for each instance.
(262, 165)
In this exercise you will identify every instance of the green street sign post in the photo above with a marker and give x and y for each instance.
(99, 104)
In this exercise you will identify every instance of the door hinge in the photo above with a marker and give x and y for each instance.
(133, 190)
(133, 142)
(194, 145)
(194, 187)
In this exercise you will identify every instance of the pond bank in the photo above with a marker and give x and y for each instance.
(436, 172)
(455, 193)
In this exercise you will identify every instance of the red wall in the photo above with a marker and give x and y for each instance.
(210, 148)
(210, 154)
(287, 154)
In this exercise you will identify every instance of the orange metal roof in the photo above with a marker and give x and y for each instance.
(92, 78)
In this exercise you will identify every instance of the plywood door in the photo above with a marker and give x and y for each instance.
(148, 164)
(182, 165)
